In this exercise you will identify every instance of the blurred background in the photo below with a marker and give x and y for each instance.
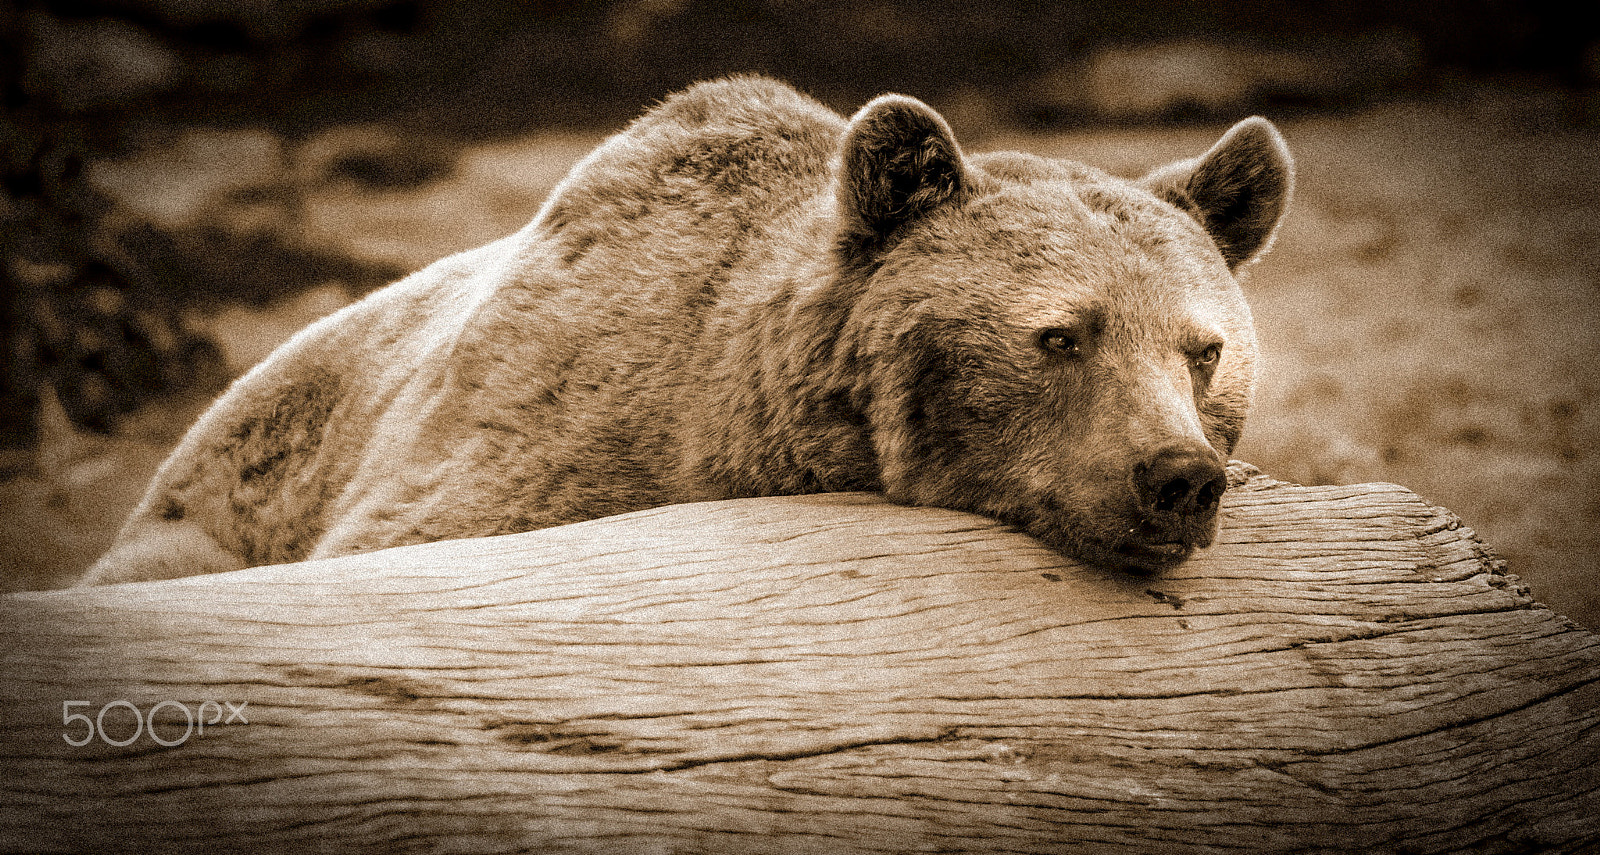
(187, 182)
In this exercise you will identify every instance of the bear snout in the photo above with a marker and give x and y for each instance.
(1177, 490)
(1186, 479)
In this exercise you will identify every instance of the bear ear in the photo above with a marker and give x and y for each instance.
(1238, 190)
(899, 161)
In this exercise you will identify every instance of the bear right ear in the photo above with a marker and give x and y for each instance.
(899, 162)
(1238, 190)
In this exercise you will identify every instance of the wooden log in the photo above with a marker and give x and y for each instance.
(1348, 669)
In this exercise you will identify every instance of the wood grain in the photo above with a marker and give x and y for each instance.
(1348, 669)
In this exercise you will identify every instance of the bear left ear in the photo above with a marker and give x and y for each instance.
(899, 161)
(1238, 190)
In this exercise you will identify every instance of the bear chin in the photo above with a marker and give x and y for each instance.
(1130, 551)
(1133, 556)
(1149, 557)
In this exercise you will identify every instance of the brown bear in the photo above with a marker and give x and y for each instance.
(744, 294)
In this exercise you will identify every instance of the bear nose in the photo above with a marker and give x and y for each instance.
(1187, 479)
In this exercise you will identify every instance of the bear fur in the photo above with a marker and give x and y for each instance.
(744, 294)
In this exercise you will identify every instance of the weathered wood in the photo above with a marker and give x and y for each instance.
(1347, 670)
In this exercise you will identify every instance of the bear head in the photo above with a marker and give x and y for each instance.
(1050, 345)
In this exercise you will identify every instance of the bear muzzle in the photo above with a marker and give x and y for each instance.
(1177, 491)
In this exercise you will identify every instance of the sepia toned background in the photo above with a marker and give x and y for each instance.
(186, 183)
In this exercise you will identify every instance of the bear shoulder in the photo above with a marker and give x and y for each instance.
(746, 101)
(736, 146)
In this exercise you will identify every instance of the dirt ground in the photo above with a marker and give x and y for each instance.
(1430, 315)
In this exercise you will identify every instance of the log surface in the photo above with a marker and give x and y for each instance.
(1348, 669)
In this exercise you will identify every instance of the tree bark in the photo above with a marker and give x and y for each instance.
(1348, 669)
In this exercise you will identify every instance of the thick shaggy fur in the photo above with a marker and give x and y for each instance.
(744, 294)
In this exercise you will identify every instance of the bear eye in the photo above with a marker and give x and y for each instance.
(1062, 341)
(1208, 357)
